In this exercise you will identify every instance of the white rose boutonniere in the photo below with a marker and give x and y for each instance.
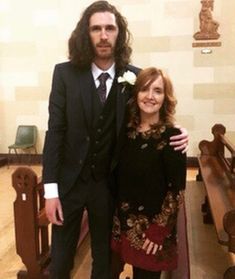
(127, 78)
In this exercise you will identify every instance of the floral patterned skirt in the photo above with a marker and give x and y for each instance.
(132, 226)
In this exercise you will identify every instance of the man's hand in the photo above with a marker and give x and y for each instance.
(54, 211)
(180, 142)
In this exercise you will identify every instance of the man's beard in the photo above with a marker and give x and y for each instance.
(106, 53)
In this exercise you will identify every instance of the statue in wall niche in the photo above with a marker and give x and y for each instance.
(208, 26)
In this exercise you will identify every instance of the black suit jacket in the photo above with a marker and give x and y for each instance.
(70, 122)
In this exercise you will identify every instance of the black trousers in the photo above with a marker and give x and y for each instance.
(96, 198)
(139, 273)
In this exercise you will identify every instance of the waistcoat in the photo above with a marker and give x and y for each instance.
(103, 138)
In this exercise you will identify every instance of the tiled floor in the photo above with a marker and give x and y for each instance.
(208, 259)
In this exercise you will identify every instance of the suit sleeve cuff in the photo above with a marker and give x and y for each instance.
(51, 190)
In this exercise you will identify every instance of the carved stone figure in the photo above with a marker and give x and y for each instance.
(208, 26)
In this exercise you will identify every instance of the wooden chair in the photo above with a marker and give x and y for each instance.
(26, 138)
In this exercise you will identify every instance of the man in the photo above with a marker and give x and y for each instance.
(82, 134)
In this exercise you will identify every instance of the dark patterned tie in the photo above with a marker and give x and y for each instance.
(102, 87)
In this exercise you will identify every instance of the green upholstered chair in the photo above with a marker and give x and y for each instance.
(26, 137)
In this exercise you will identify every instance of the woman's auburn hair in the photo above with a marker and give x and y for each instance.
(81, 51)
(144, 79)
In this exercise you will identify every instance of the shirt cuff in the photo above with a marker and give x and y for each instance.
(51, 190)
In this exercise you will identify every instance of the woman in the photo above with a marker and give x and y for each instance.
(150, 180)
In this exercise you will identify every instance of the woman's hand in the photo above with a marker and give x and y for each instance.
(150, 247)
(180, 142)
(154, 237)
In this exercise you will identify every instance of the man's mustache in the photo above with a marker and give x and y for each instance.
(103, 45)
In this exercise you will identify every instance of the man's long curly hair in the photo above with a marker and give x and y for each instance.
(144, 79)
(81, 52)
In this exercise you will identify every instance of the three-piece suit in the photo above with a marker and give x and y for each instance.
(78, 153)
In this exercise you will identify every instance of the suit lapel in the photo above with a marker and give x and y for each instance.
(123, 94)
(87, 86)
(121, 105)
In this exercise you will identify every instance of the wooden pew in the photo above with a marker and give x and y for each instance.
(32, 226)
(217, 170)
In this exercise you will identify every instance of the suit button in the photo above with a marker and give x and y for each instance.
(87, 138)
(92, 166)
(96, 142)
(99, 130)
(101, 117)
